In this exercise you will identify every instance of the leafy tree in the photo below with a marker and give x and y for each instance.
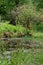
(38, 3)
(6, 6)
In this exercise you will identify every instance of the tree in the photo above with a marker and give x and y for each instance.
(6, 6)
(38, 3)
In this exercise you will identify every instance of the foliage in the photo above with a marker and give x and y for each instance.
(12, 31)
(26, 15)
(38, 3)
(7, 6)
(22, 58)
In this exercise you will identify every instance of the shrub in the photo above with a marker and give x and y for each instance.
(26, 15)
(9, 31)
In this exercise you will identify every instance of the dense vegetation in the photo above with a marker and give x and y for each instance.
(21, 20)
(25, 13)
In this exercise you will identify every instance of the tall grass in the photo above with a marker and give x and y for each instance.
(22, 58)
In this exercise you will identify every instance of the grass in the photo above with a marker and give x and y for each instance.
(32, 57)
(38, 36)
